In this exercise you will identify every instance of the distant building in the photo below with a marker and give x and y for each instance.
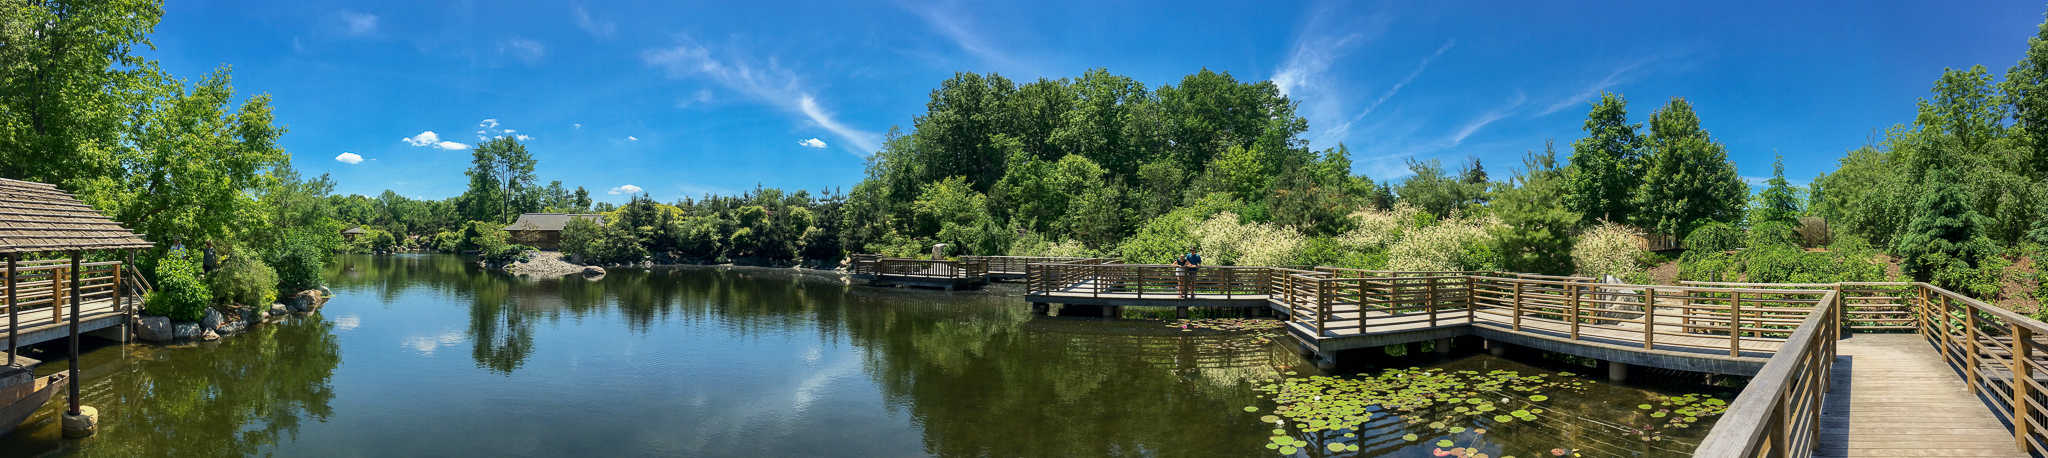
(352, 233)
(544, 230)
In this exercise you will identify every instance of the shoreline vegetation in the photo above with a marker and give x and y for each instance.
(1097, 164)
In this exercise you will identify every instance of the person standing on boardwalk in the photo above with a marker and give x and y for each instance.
(1189, 264)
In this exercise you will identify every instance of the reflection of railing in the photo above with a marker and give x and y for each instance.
(898, 267)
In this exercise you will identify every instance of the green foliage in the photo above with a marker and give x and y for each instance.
(180, 293)
(1457, 244)
(592, 243)
(957, 215)
(1778, 202)
(1536, 231)
(1868, 195)
(299, 260)
(1606, 166)
(1433, 191)
(1773, 233)
(1714, 238)
(1945, 236)
(501, 182)
(1172, 234)
(243, 280)
(2026, 89)
(1687, 179)
(70, 77)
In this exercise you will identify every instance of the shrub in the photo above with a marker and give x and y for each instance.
(242, 280)
(447, 242)
(1374, 230)
(299, 262)
(1229, 241)
(601, 244)
(180, 295)
(1773, 233)
(1609, 249)
(1714, 237)
(1456, 244)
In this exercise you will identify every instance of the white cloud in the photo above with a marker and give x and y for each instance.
(1487, 118)
(488, 123)
(576, 125)
(625, 189)
(1306, 76)
(511, 131)
(349, 158)
(956, 26)
(525, 50)
(358, 24)
(423, 139)
(596, 28)
(813, 143)
(632, 138)
(451, 145)
(772, 85)
(522, 137)
(1585, 96)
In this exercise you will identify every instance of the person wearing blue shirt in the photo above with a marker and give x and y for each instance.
(1189, 263)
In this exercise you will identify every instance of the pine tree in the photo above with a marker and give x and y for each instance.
(1688, 180)
(1606, 166)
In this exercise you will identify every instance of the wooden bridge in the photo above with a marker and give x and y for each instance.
(965, 272)
(39, 304)
(1829, 373)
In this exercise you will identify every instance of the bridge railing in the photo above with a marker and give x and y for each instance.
(876, 265)
(1015, 265)
(1997, 353)
(45, 287)
(1778, 414)
(1087, 278)
(1866, 306)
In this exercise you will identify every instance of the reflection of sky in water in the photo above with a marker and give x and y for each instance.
(426, 345)
(346, 323)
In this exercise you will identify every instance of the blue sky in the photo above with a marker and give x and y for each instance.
(684, 99)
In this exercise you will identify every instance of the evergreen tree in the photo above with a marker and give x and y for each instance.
(2026, 89)
(1537, 232)
(1778, 202)
(1946, 233)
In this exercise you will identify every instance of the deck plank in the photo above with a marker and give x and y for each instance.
(1893, 395)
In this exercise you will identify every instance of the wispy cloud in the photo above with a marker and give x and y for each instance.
(961, 29)
(357, 24)
(1480, 122)
(429, 138)
(632, 138)
(1306, 76)
(624, 189)
(812, 143)
(591, 25)
(525, 50)
(1343, 129)
(770, 84)
(349, 158)
(1580, 99)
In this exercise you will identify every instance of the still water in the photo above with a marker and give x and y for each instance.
(425, 355)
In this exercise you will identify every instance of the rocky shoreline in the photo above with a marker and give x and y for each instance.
(225, 321)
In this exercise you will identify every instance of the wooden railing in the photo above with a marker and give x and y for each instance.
(1096, 278)
(1778, 414)
(1014, 265)
(1866, 306)
(44, 287)
(1998, 354)
(875, 265)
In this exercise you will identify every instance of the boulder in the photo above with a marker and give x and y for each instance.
(248, 314)
(211, 320)
(187, 330)
(305, 301)
(279, 309)
(208, 335)
(593, 271)
(154, 329)
(232, 327)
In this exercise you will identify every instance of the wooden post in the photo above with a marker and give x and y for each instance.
(1735, 324)
(1574, 289)
(1471, 315)
(2022, 375)
(1775, 426)
(1970, 345)
(1429, 303)
(1518, 305)
(1649, 318)
(57, 294)
(13, 307)
(117, 287)
(1323, 308)
(75, 382)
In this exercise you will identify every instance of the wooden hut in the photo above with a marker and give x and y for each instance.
(56, 230)
(544, 230)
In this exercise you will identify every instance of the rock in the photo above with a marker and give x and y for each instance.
(232, 327)
(208, 335)
(187, 330)
(593, 272)
(154, 329)
(211, 320)
(306, 301)
(248, 314)
(279, 309)
(324, 292)
(85, 424)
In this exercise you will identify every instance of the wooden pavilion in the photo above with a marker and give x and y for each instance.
(39, 221)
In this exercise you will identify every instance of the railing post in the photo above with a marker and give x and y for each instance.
(1574, 289)
(1649, 317)
(117, 287)
(1518, 305)
(1323, 308)
(1428, 304)
(57, 294)
(2022, 396)
(1970, 344)
(13, 307)
(1775, 426)
(1735, 324)
(1471, 315)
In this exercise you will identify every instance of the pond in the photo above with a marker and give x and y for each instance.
(427, 355)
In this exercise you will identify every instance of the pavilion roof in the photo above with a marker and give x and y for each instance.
(38, 217)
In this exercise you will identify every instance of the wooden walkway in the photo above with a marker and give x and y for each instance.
(1893, 395)
(40, 325)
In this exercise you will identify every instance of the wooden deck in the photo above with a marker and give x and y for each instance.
(1893, 395)
(40, 325)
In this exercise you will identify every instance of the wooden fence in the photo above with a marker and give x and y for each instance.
(1018, 265)
(1096, 278)
(864, 265)
(45, 286)
(1778, 414)
(1998, 353)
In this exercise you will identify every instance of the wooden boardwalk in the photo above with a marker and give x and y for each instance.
(1893, 395)
(41, 325)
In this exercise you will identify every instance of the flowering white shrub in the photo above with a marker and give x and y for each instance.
(1379, 228)
(1455, 244)
(1226, 241)
(1608, 249)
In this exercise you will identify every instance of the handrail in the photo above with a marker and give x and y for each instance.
(1778, 413)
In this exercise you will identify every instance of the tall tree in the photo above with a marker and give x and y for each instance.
(1606, 165)
(1779, 201)
(69, 79)
(1688, 179)
(2026, 89)
(1537, 232)
(195, 166)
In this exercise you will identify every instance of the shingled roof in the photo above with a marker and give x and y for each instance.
(38, 217)
(550, 221)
